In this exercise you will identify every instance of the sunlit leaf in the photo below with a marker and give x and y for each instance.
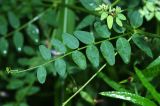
(87, 97)
(136, 99)
(110, 21)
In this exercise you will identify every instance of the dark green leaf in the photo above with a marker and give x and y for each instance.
(28, 50)
(60, 67)
(59, 46)
(108, 52)
(136, 19)
(147, 85)
(3, 25)
(15, 84)
(41, 74)
(89, 4)
(141, 43)
(93, 55)
(88, 20)
(79, 58)
(136, 99)
(124, 49)
(118, 29)
(13, 20)
(70, 41)
(18, 40)
(33, 32)
(102, 30)
(84, 37)
(3, 46)
(115, 85)
(45, 52)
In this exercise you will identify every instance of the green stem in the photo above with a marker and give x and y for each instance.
(29, 69)
(80, 89)
(115, 3)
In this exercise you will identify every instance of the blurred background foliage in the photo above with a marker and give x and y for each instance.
(24, 25)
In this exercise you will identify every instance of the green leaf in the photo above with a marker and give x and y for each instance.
(118, 29)
(87, 97)
(124, 49)
(59, 46)
(104, 15)
(88, 20)
(153, 69)
(84, 37)
(154, 63)
(113, 84)
(3, 25)
(71, 41)
(45, 52)
(141, 44)
(93, 55)
(108, 52)
(102, 30)
(41, 74)
(4, 46)
(157, 14)
(13, 20)
(60, 67)
(80, 59)
(147, 85)
(136, 19)
(136, 99)
(18, 40)
(110, 21)
(28, 50)
(15, 84)
(89, 4)
(121, 16)
(33, 90)
(119, 22)
(33, 32)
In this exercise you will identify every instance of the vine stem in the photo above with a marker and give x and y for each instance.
(80, 89)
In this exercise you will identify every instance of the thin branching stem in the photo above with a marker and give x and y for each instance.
(82, 87)
(52, 60)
